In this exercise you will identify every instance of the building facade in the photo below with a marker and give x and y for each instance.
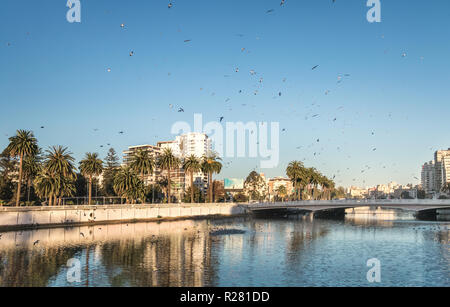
(428, 177)
(442, 165)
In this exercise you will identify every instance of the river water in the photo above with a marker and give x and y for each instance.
(283, 251)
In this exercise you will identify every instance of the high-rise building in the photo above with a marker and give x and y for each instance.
(442, 165)
(428, 177)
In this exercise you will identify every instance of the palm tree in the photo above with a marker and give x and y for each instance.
(46, 185)
(142, 163)
(22, 145)
(168, 162)
(128, 185)
(210, 165)
(296, 172)
(59, 164)
(281, 192)
(91, 166)
(191, 165)
(31, 167)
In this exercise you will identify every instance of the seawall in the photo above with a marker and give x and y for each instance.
(41, 217)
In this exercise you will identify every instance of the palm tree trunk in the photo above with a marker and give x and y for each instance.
(210, 187)
(28, 189)
(90, 189)
(19, 182)
(153, 193)
(192, 187)
(168, 186)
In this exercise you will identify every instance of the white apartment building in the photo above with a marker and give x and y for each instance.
(428, 177)
(194, 143)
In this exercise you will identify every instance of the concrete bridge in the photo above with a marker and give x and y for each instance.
(416, 205)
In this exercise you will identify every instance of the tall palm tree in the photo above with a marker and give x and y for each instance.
(46, 185)
(128, 185)
(22, 145)
(59, 164)
(191, 165)
(142, 163)
(281, 192)
(91, 166)
(31, 167)
(210, 165)
(168, 162)
(296, 172)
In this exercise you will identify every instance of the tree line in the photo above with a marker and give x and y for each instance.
(51, 175)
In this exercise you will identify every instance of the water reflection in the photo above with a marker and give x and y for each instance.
(271, 252)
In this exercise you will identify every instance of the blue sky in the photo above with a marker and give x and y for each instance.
(54, 74)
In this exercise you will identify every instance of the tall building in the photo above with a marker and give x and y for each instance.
(442, 165)
(428, 177)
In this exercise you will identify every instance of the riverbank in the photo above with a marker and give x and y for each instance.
(19, 218)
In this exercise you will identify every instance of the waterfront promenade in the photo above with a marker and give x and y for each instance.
(35, 217)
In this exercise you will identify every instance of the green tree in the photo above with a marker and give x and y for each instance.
(59, 164)
(191, 165)
(22, 145)
(281, 192)
(46, 186)
(167, 161)
(91, 166)
(110, 170)
(211, 165)
(296, 172)
(254, 183)
(128, 185)
(31, 167)
(142, 163)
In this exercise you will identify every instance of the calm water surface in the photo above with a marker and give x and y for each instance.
(294, 251)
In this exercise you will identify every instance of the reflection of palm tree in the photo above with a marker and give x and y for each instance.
(39, 270)
(23, 144)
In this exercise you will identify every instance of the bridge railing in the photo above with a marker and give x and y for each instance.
(358, 202)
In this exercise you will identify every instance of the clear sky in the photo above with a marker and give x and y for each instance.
(55, 74)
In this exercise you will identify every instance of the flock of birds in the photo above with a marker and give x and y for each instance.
(313, 147)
